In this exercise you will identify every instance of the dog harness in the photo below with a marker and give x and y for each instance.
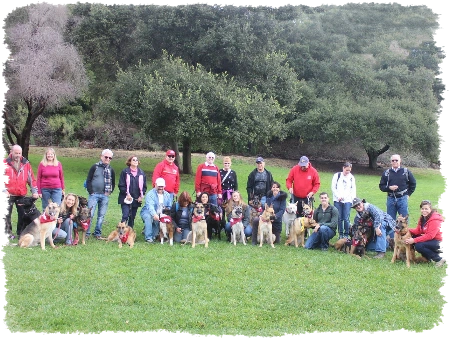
(235, 220)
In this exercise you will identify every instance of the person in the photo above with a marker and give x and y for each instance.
(181, 215)
(277, 199)
(399, 184)
(20, 174)
(100, 184)
(156, 200)
(132, 187)
(50, 178)
(259, 182)
(343, 192)
(427, 235)
(381, 221)
(228, 178)
(207, 179)
(67, 214)
(237, 200)
(302, 182)
(169, 171)
(326, 217)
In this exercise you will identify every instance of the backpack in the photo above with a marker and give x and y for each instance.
(387, 174)
(338, 177)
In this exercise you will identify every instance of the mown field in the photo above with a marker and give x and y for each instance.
(221, 290)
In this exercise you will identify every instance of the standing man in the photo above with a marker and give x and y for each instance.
(259, 182)
(303, 182)
(399, 183)
(326, 216)
(169, 171)
(19, 173)
(208, 179)
(100, 184)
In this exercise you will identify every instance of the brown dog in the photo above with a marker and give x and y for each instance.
(199, 225)
(255, 208)
(41, 228)
(166, 227)
(123, 234)
(359, 241)
(265, 226)
(298, 229)
(343, 245)
(401, 233)
(83, 223)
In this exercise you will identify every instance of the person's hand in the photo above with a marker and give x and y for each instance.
(178, 230)
(393, 187)
(378, 232)
(40, 195)
(290, 190)
(198, 194)
(156, 218)
(35, 195)
(219, 196)
(139, 199)
(317, 227)
(409, 241)
(310, 195)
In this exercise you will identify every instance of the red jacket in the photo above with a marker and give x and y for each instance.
(431, 229)
(303, 182)
(170, 173)
(18, 180)
(208, 179)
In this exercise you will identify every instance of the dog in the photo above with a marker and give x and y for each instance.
(307, 212)
(30, 212)
(213, 221)
(358, 243)
(299, 229)
(199, 225)
(401, 233)
(238, 230)
(256, 208)
(265, 226)
(343, 245)
(166, 227)
(82, 219)
(122, 234)
(289, 216)
(41, 228)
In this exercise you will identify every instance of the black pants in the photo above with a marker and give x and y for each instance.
(8, 226)
(299, 205)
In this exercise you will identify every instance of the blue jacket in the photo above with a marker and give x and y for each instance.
(279, 204)
(152, 203)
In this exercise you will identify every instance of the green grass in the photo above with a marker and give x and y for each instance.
(221, 290)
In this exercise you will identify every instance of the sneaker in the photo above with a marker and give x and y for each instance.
(440, 263)
(149, 241)
(380, 255)
(323, 249)
(182, 241)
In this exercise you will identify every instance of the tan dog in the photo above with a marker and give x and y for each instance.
(298, 230)
(41, 228)
(199, 225)
(289, 216)
(343, 245)
(401, 233)
(265, 226)
(123, 234)
(238, 230)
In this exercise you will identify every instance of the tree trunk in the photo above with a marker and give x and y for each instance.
(373, 154)
(174, 146)
(186, 157)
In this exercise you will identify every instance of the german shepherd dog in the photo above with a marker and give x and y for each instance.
(123, 234)
(82, 220)
(166, 227)
(213, 221)
(265, 226)
(401, 233)
(289, 216)
(238, 230)
(199, 225)
(361, 233)
(256, 208)
(41, 228)
(298, 230)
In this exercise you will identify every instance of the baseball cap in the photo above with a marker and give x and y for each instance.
(303, 161)
(160, 182)
(170, 152)
(355, 202)
(259, 159)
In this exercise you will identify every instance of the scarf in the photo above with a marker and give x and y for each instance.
(107, 177)
(235, 220)
(45, 218)
(140, 184)
(197, 218)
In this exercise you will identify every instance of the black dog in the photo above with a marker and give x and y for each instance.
(30, 212)
(213, 221)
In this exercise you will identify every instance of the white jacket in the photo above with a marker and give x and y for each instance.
(343, 187)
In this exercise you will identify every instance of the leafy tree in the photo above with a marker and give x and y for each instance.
(42, 72)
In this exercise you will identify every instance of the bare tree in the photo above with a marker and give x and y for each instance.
(42, 72)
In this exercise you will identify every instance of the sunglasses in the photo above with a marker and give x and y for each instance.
(210, 157)
(226, 163)
(134, 159)
(108, 157)
(394, 160)
(171, 156)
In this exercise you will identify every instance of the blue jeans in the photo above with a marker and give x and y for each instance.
(129, 214)
(213, 199)
(397, 206)
(321, 238)
(429, 249)
(102, 200)
(65, 232)
(247, 230)
(54, 194)
(178, 236)
(379, 243)
(151, 229)
(344, 210)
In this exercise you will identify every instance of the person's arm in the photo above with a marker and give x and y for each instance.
(411, 183)
(61, 176)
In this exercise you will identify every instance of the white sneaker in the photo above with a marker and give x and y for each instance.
(440, 263)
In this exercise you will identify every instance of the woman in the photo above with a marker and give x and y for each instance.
(277, 199)
(343, 191)
(427, 236)
(50, 178)
(237, 201)
(228, 179)
(132, 186)
(181, 215)
(67, 214)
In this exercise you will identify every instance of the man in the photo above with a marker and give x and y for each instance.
(259, 181)
(399, 183)
(19, 173)
(169, 171)
(381, 221)
(326, 216)
(207, 179)
(100, 184)
(303, 182)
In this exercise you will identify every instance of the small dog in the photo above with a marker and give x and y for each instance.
(41, 228)
(166, 227)
(213, 221)
(343, 245)
(199, 225)
(289, 216)
(238, 231)
(83, 222)
(256, 208)
(358, 244)
(401, 233)
(298, 230)
(123, 234)
(307, 212)
(265, 226)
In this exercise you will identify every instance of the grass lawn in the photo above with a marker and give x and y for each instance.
(222, 290)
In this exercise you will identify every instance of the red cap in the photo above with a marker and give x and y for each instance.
(170, 152)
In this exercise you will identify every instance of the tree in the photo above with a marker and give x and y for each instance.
(42, 72)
